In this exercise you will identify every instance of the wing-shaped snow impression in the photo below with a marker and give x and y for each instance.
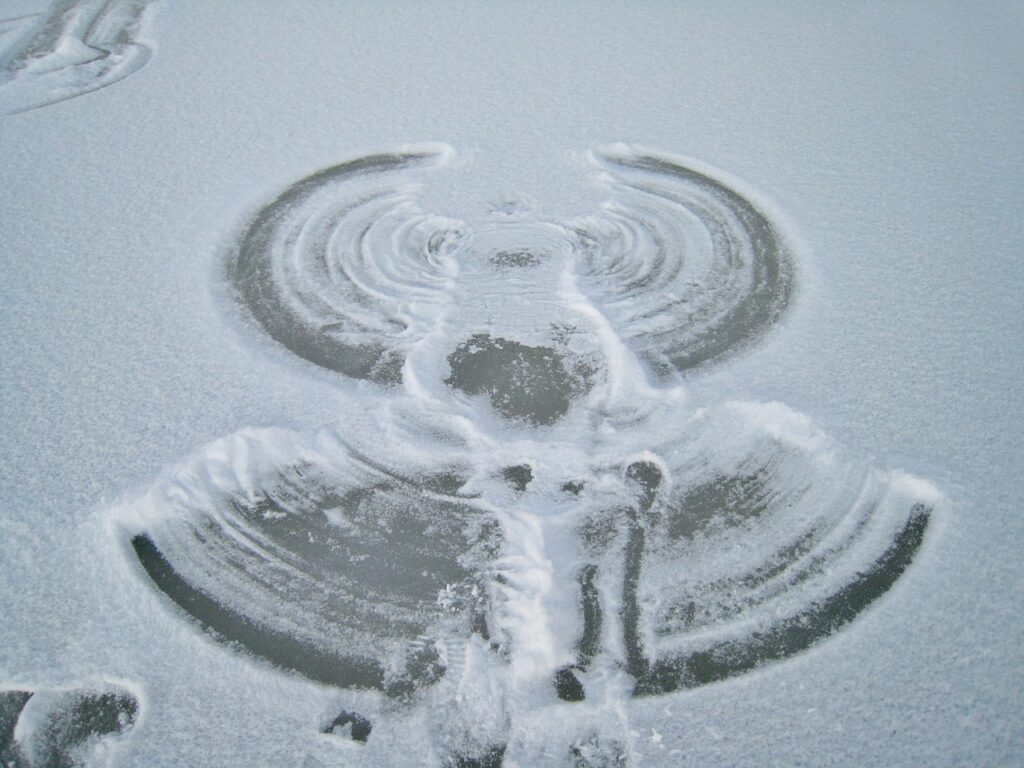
(685, 267)
(741, 538)
(76, 47)
(342, 265)
(310, 556)
(751, 539)
(345, 269)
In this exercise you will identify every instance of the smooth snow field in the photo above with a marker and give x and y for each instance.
(477, 385)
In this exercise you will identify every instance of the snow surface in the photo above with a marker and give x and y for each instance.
(886, 144)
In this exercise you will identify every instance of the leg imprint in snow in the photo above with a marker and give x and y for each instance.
(525, 512)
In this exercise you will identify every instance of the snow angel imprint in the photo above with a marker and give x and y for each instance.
(525, 514)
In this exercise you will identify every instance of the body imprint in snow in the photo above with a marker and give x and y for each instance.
(526, 516)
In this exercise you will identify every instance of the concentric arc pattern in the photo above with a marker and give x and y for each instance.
(346, 271)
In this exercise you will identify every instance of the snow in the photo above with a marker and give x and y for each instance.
(883, 143)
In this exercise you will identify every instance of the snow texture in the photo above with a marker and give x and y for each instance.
(324, 447)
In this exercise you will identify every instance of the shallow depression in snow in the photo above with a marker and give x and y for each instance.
(346, 270)
(526, 512)
(74, 48)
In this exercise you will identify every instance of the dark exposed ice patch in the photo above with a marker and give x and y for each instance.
(594, 752)
(516, 259)
(85, 716)
(568, 685)
(350, 725)
(492, 757)
(573, 487)
(533, 384)
(518, 476)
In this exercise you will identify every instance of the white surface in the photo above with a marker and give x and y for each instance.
(890, 137)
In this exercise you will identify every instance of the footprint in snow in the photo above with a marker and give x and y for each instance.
(62, 728)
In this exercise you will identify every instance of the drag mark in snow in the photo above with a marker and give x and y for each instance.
(522, 510)
(76, 47)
